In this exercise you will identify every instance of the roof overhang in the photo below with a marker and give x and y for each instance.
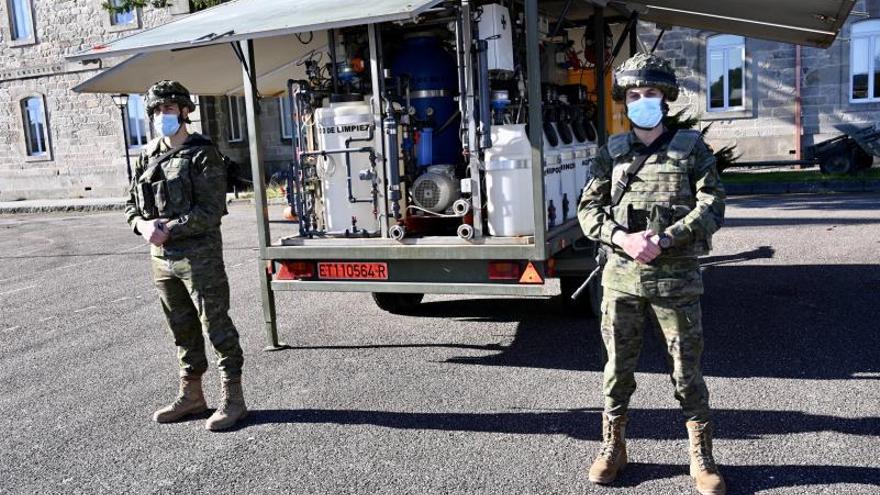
(800, 22)
(213, 69)
(253, 19)
(195, 49)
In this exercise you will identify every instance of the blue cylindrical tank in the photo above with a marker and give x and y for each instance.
(433, 84)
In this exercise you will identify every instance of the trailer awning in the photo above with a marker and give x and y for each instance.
(800, 22)
(195, 49)
(212, 70)
(253, 19)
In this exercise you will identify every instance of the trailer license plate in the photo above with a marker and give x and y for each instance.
(353, 271)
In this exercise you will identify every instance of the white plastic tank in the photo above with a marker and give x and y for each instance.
(552, 179)
(335, 124)
(568, 202)
(509, 182)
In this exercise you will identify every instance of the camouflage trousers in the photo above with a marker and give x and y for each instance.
(194, 293)
(623, 321)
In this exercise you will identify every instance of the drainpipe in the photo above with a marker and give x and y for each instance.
(798, 124)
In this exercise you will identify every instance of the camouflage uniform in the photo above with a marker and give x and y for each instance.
(677, 191)
(189, 189)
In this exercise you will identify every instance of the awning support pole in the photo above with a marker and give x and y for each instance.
(376, 78)
(536, 132)
(634, 35)
(630, 26)
(258, 174)
(599, 44)
(657, 41)
(561, 18)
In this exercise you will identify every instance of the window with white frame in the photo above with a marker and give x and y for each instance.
(20, 20)
(121, 18)
(36, 132)
(286, 118)
(235, 111)
(864, 66)
(725, 72)
(138, 130)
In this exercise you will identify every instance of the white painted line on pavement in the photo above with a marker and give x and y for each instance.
(120, 300)
(18, 290)
(43, 320)
(85, 309)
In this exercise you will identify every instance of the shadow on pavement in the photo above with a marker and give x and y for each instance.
(582, 424)
(806, 322)
(754, 479)
(812, 202)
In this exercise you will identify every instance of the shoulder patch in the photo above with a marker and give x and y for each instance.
(618, 145)
(682, 144)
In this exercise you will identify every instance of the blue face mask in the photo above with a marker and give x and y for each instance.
(166, 125)
(645, 113)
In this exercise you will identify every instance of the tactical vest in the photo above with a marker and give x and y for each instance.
(662, 192)
(165, 188)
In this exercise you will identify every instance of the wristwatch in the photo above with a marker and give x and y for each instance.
(665, 241)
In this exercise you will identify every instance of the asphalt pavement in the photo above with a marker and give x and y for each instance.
(470, 396)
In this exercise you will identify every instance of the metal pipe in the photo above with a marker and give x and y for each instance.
(298, 197)
(462, 49)
(798, 124)
(392, 159)
(471, 146)
(257, 170)
(599, 45)
(623, 36)
(657, 41)
(122, 111)
(374, 42)
(483, 94)
(560, 19)
(331, 39)
(536, 135)
(634, 35)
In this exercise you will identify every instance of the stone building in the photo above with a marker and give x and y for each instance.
(55, 143)
(748, 88)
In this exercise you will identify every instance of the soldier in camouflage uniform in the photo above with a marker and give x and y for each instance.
(665, 218)
(177, 198)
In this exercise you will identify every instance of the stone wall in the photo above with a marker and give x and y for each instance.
(86, 141)
(766, 129)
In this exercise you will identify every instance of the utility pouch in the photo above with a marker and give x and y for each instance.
(146, 201)
(160, 193)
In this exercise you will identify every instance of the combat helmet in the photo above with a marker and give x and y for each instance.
(645, 70)
(166, 91)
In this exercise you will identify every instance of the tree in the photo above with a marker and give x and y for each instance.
(724, 158)
(123, 6)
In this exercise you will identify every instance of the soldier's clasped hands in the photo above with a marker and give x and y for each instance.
(640, 246)
(154, 231)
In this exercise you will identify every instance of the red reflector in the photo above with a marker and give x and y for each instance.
(531, 275)
(504, 270)
(295, 270)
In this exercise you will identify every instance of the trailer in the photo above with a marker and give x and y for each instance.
(440, 146)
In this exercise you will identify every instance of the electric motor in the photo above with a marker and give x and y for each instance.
(437, 188)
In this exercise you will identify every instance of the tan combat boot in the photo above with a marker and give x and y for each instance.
(232, 408)
(190, 400)
(703, 468)
(612, 455)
